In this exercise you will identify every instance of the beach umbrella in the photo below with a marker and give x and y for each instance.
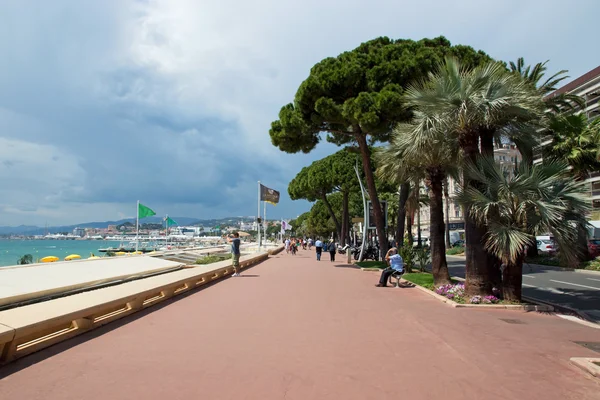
(49, 259)
(72, 257)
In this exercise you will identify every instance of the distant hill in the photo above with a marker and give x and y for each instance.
(187, 221)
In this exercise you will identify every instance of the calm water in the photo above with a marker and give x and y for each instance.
(12, 250)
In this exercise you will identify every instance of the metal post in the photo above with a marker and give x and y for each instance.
(258, 217)
(366, 214)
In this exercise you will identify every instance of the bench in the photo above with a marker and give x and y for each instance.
(396, 275)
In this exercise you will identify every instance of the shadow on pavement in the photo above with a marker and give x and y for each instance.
(351, 266)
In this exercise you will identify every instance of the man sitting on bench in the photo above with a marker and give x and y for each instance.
(396, 265)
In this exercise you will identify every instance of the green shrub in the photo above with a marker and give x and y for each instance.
(407, 252)
(213, 259)
(455, 250)
(593, 265)
(543, 260)
(423, 257)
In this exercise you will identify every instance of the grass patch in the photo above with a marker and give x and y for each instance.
(372, 264)
(421, 279)
(455, 251)
(212, 259)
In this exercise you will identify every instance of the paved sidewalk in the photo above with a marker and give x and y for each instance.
(292, 328)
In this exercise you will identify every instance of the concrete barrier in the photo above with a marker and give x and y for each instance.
(27, 329)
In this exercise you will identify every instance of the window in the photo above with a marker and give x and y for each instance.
(457, 213)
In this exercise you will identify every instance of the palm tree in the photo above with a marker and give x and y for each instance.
(475, 108)
(556, 103)
(503, 202)
(26, 259)
(575, 141)
(430, 161)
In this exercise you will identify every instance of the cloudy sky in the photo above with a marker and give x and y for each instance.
(106, 102)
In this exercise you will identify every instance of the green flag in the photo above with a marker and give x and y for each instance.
(170, 222)
(144, 211)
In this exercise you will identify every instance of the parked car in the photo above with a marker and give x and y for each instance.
(424, 241)
(459, 243)
(594, 247)
(546, 246)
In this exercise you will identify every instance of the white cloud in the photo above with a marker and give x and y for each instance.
(171, 101)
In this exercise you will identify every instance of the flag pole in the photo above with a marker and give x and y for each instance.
(258, 217)
(137, 225)
(166, 228)
(265, 221)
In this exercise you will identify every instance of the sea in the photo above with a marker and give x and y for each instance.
(12, 249)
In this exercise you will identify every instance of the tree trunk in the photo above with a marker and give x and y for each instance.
(478, 278)
(402, 199)
(409, 221)
(487, 143)
(419, 241)
(512, 280)
(439, 266)
(494, 264)
(582, 246)
(447, 213)
(345, 219)
(377, 211)
(338, 227)
(532, 250)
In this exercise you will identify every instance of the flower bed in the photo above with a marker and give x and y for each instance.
(456, 292)
(454, 295)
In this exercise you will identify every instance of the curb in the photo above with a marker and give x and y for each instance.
(557, 307)
(589, 365)
(526, 307)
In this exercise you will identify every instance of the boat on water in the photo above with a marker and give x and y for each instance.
(49, 259)
(144, 247)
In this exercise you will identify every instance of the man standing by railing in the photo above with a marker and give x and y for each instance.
(235, 252)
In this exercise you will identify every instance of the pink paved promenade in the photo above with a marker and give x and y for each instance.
(293, 328)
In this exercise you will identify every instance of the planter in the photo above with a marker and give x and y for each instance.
(520, 307)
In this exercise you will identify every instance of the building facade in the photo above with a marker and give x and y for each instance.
(587, 87)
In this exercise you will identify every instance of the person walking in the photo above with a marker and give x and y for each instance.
(318, 248)
(331, 249)
(287, 245)
(235, 253)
